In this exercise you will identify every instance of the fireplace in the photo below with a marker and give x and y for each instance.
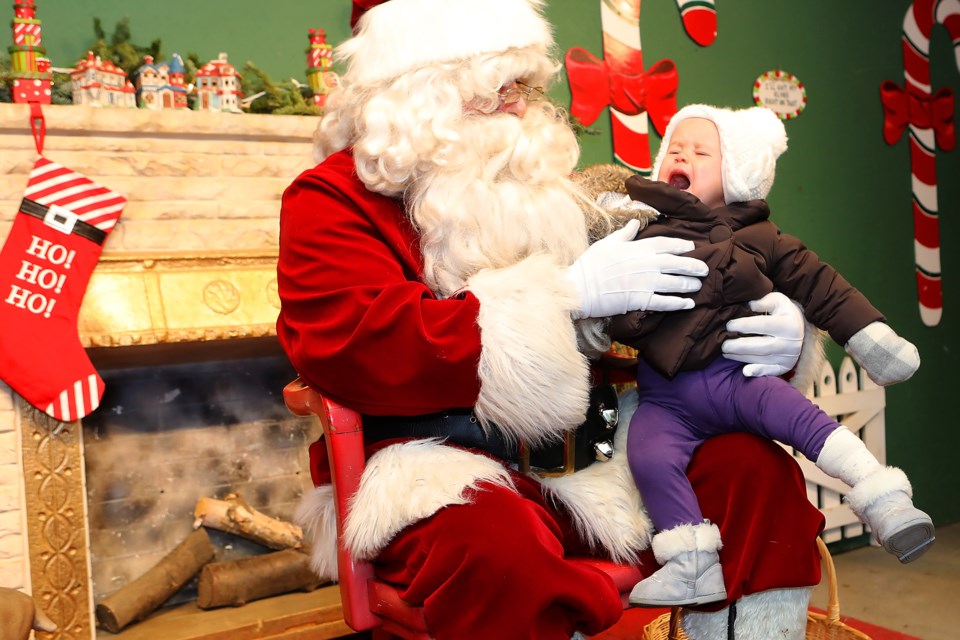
(183, 300)
(192, 409)
(167, 435)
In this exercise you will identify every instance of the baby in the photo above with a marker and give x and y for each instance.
(714, 168)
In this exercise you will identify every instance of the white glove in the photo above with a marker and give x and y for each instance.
(887, 357)
(775, 339)
(615, 275)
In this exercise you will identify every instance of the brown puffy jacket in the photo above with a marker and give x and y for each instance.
(748, 257)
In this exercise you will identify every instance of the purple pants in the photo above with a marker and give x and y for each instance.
(676, 416)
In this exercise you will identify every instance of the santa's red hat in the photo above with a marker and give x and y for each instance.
(396, 36)
(359, 8)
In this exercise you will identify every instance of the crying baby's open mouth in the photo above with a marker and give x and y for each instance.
(680, 181)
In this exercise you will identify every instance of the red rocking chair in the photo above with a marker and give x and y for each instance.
(369, 603)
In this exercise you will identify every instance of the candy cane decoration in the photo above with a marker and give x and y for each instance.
(635, 96)
(622, 52)
(929, 117)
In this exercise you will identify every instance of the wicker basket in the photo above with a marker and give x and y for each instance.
(827, 626)
(820, 626)
(666, 627)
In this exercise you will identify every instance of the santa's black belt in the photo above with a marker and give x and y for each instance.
(64, 220)
(458, 426)
(591, 441)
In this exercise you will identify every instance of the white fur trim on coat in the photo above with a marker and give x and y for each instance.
(400, 485)
(603, 500)
(407, 482)
(317, 514)
(534, 382)
(880, 483)
(686, 537)
(776, 614)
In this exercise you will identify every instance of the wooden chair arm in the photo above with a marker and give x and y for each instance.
(343, 436)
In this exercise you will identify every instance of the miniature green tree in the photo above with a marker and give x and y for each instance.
(284, 98)
(61, 89)
(5, 68)
(121, 51)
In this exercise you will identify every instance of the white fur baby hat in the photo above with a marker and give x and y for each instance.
(751, 140)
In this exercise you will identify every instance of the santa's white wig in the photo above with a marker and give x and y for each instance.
(398, 125)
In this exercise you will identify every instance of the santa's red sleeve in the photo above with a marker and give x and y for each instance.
(356, 321)
(359, 324)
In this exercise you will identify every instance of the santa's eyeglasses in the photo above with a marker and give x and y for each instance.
(513, 92)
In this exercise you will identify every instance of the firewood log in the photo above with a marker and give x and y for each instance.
(139, 598)
(241, 581)
(20, 614)
(235, 516)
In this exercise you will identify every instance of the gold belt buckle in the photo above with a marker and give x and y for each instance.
(569, 458)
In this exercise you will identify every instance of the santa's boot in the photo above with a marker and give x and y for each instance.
(691, 572)
(881, 496)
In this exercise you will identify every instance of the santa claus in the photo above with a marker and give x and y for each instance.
(436, 275)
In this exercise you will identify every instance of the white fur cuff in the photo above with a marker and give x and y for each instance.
(534, 382)
(686, 537)
(401, 485)
(878, 484)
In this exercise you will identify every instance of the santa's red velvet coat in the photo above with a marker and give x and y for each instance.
(359, 325)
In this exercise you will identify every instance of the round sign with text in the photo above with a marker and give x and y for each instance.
(781, 92)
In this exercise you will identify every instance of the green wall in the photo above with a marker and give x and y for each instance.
(840, 187)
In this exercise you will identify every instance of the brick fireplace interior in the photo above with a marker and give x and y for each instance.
(167, 435)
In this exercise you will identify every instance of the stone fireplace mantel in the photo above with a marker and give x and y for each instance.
(190, 268)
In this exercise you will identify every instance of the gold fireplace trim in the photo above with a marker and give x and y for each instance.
(57, 523)
(145, 298)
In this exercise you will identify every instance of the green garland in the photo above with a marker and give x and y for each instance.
(120, 49)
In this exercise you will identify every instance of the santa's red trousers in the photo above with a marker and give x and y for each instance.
(497, 567)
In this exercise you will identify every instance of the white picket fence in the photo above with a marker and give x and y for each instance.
(856, 402)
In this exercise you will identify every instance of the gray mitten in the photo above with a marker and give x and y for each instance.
(620, 202)
(887, 357)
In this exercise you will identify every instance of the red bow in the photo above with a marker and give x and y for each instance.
(901, 108)
(593, 86)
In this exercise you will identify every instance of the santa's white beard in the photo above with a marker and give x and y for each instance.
(498, 195)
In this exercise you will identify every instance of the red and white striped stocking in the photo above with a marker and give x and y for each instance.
(699, 20)
(45, 265)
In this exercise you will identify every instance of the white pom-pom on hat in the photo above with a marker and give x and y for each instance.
(751, 140)
(398, 36)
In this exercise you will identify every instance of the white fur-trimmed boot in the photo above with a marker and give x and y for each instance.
(881, 496)
(691, 572)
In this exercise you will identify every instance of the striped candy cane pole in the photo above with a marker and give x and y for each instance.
(621, 50)
(917, 25)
